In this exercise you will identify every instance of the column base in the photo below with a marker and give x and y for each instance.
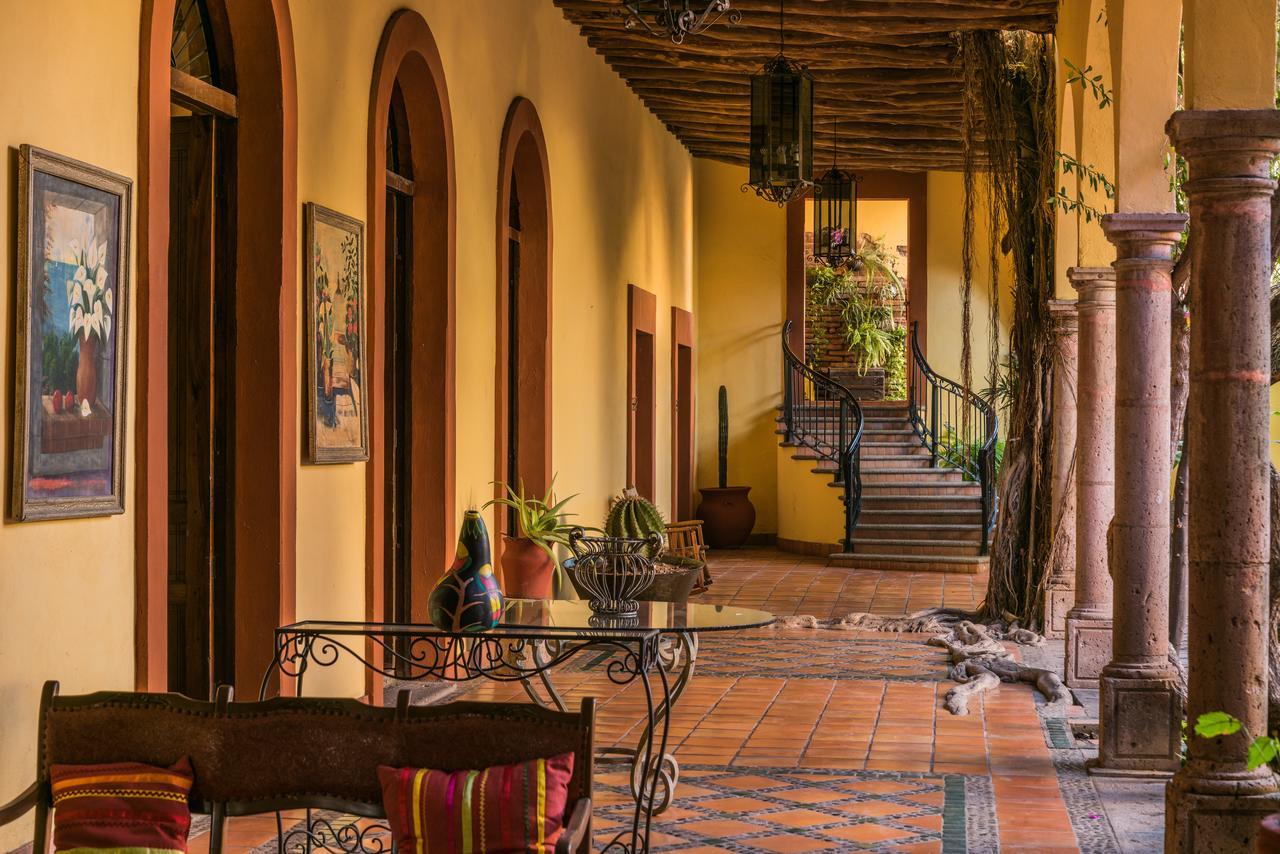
(1196, 823)
(1059, 596)
(1139, 730)
(1088, 650)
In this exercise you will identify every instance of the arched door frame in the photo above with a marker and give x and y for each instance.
(265, 431)
(523, 160)
(407, 55)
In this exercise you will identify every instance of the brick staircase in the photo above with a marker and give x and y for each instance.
(915, 517)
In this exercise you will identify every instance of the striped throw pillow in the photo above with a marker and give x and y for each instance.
(501, 810)
(124, 805)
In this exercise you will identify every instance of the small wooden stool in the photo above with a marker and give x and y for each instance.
(684, 539)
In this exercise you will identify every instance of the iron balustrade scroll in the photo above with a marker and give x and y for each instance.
(957, 427)
(821, 414)
(504, 654)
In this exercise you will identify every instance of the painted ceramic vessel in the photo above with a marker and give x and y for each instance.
(467, 598)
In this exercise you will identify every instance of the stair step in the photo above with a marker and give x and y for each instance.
(964, 564)
(947, 548)
(916, 488)
(933, 476)
(896, 461)
(936, 532)
(871, 515)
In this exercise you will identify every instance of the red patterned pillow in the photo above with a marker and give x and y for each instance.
(121, 805)
(501, 810)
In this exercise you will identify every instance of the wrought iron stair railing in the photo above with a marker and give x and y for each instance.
(821, 414)
(958, 428)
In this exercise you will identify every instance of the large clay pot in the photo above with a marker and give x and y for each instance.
(1269, 835)
(467, 598)
(87, 370)
(727, 516)
(526, 569)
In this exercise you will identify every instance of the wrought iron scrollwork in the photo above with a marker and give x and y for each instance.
(328, 833)
(663, 18)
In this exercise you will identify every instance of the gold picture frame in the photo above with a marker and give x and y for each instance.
(71, 348)
(334, 272)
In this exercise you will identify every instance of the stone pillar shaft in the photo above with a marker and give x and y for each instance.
(1214, 803)
(1088, 647)
(1138, 706)
(1060, 591)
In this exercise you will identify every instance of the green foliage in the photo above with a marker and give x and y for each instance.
(1004, 392)
(1096, 179)
(1089, 82)
(866, 314)
(895, 369)
(723, 459)
(59, 358)
(635, 518)
(955, 453)
(1263, 750)
(539, 520)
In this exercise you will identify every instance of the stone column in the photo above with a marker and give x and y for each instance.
(1061, 590)
(1139, 711)
(1089, 622)
(1214, 803)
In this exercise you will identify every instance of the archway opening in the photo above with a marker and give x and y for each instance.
(410, 494)
(523, 381)
(218, 229)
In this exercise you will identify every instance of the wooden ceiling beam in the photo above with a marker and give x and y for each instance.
(884, 70)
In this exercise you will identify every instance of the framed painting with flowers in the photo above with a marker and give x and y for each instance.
(72, 311)
(334, 267)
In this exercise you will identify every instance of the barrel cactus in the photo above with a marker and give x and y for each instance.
(634, 517)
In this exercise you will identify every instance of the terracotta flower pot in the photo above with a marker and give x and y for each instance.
(727, 516)
(526, 569)
(87, 370)
(1269, 835)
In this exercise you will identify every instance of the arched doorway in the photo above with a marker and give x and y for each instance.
(523, 377)
(218, 140)
(411, 196)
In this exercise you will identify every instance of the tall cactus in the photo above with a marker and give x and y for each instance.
(724, 437)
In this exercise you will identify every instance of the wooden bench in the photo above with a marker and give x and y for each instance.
(293, 753)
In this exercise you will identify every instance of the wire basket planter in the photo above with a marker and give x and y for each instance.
(610, 572)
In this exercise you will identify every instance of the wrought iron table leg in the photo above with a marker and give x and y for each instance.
(677, 654)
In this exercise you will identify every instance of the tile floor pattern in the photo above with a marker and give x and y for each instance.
(810, 740)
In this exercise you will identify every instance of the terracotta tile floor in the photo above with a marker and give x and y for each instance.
(810, 740)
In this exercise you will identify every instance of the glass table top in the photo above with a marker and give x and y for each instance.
(562, 615)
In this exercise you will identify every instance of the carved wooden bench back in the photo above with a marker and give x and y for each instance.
(291, 753)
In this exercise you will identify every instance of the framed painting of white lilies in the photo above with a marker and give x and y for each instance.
(72, 312)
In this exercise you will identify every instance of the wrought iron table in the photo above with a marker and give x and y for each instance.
(657, 648)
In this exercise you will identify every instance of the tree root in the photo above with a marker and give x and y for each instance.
(979, 659)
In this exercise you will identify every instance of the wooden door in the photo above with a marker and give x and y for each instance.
(399, 577)
(199, 590)
(682, 414)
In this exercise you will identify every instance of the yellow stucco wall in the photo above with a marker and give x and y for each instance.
(946, 200)
(66, 587)
(622, 206)
(741, 296)
(622, 209)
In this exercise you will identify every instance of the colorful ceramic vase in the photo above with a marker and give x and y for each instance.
(467, 598)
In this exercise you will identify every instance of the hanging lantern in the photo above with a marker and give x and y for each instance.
(781, 156)
(835, 216)
(676, 19)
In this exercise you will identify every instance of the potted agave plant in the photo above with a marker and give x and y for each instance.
(529, 560)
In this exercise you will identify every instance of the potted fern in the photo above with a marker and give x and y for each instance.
(726, 512)
(529, 560)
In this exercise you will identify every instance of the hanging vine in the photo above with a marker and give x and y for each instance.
(1009, 129)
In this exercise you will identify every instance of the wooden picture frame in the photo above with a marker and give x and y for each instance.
(71, 345)
(334, 273)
